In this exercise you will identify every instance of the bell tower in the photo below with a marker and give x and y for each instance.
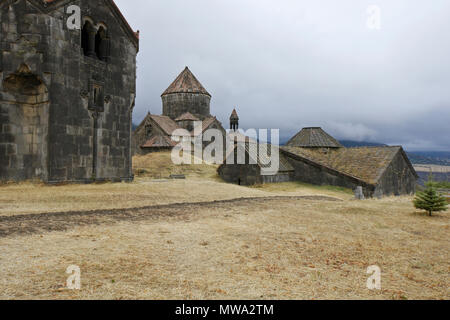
(234, 121)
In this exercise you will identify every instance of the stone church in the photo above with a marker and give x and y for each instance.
(66, 94)
(185, 102)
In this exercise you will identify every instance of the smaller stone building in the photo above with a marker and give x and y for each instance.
(313, 156)
(320, 159)
(185, 103)
(250, 173)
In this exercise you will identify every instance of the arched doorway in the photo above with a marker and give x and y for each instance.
(26, 99)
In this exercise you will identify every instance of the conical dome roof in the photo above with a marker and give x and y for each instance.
(234, 115)
(314, 138)
(186, 82)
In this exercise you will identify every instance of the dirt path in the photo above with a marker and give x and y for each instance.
(48, 222)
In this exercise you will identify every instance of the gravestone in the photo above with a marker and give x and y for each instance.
(359, 194)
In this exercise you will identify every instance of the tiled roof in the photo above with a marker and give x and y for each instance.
(186, 82)
(366, 164)
(313, 138)
(165, 123)
(206, 123)
(159, 141)
(262, 158)
(187, 117)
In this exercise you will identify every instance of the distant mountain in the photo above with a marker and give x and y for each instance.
(430, 157)
(133, 126)
(437, 176)
(355, 144)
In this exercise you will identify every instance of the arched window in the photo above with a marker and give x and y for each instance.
(148, 130)
(84, 37)
(88, 39)
(25, 87)
(94, 40)
(102, 44)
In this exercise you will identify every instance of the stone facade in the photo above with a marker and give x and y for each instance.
(398, 179)
(380, 171)
(175, 104)
(65, 114)
(248, 173)
(186, 94)
(310, 172)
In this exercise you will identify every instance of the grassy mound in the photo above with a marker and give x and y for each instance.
(159, 165)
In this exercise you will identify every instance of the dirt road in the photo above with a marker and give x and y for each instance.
(48, 222)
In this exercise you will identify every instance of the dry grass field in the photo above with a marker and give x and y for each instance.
(200, 238)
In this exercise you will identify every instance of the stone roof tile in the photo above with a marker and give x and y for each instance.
(159, 141)
(186, 82)
(366, 164)
(187, 117)
(313, 138)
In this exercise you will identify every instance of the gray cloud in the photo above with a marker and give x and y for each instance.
(288, 64)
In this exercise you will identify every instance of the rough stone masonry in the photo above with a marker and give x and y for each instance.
(66, 96)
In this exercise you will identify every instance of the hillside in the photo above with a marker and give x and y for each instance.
(436, 158)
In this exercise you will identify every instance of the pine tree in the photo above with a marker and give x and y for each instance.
(430, 200)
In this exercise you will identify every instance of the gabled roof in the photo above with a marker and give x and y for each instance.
(262, 157)
(186, 82)
(367, 164)
(314, 137)
(206, 123)
(159, 141)
(167, 125)
(51, 5)
(187, 117)
(234, 115)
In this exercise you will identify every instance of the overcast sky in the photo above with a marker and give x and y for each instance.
(290, 64)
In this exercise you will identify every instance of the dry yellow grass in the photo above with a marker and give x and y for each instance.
(269, 250)
(245, 249)
(160, 165)
(202, 184)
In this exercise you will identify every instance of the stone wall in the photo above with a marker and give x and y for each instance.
(398, 179)
(176, 104)
(241, 174)
(311, 173)
(140, 135)
(71, 147)
(278, 178)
